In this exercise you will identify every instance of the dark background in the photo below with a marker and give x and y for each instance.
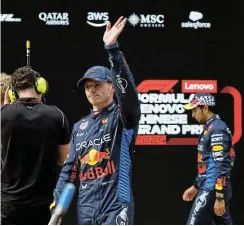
(63, 53)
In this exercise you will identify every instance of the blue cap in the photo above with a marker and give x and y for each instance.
(97, 73)
(200, 99)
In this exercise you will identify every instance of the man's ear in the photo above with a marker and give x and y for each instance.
(206, 109)
(112, 86)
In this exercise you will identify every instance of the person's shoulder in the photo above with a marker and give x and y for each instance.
(53, 108)
(9, 107)
(4, 109)
(12, 111)
(219, 124)
(55, 112)
(4, 106)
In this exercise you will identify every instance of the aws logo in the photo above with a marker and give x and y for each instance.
(97, 19)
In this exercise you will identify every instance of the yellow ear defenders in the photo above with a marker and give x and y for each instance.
(12, 95)
(40, 85)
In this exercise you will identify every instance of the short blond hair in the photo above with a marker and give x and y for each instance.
(6, 81)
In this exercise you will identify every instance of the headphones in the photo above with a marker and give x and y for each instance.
(40, 85)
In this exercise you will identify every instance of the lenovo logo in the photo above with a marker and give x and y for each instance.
(198, 86)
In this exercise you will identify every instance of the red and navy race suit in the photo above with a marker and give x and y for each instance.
(101, 148)
(215, 162)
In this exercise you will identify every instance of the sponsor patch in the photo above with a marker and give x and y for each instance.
(217, 148)
(83, 125)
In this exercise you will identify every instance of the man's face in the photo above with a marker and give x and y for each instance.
(200, 114)
(98, 93)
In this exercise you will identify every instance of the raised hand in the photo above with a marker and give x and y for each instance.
(111, 34)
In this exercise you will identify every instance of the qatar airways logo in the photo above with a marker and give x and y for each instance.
(164, 121)
(54, 18)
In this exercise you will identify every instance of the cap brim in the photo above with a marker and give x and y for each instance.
(82, 80)
(189, 106)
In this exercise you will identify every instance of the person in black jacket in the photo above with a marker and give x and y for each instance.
(34, 137)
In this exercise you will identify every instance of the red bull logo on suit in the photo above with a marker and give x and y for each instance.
(92, 158)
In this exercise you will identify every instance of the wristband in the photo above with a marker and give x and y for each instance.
(220, 198)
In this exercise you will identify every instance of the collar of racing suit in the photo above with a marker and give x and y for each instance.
(216, 116)
(105, 110)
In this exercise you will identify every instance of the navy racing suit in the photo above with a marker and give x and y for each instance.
(215, 162)
(101, 153)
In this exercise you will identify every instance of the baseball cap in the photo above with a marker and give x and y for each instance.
(97, 73)
(200, 99)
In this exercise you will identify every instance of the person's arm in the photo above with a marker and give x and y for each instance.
(220, 146)
(125, 89)
(195, 184)
(63, 151)
(64, 145)
(69, 170)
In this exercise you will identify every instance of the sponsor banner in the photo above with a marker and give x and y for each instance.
(164, 121)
